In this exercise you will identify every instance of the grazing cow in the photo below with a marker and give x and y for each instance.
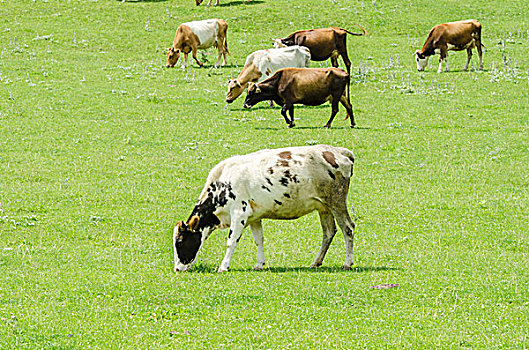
(308, 86)
(282, 184)
(198, 2)
(323, 43)
(195, 35)
(263, 63)
(453, 36)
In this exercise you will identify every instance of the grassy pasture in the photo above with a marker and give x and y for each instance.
(103, 149)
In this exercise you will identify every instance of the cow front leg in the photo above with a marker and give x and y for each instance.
(469, 56)
(284, 110)
(442, 56)
(194, 52)
(258, 238)
(329, 230)
(236, 228)
(185, 60)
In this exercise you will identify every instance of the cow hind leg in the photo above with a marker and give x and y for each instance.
(344, 100)
(480, 54)
(347, 226)
(334, 110)
(258, 238)
(329, 230)
(219, 57)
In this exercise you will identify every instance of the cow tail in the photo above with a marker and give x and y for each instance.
(364, 32)
(225, 44)
(348, 89)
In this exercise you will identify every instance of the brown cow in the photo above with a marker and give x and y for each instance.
(323, 43)
(201, 35)
(453, 36)
(308, 86)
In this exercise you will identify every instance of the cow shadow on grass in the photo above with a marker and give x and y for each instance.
(138, 1)
(266, 107)
(305, 269)
(237, 3)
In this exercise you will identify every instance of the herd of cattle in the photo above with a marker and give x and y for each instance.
(290, 182)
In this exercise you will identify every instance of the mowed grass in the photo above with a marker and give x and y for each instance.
(103, 149)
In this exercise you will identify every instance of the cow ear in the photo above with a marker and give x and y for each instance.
(193, 223)
(180, 226)
(237, 83)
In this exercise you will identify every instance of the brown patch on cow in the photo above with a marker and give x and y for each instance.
(268, 71)
(285, 155)
(253, 205)
(283, 163)
(270, 170)
(329, 158)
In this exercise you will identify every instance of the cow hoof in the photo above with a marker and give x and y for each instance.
(346, 267)
(258, 268)
(352, 126)
(291, 125)
(327, 126)
(221, 270)
(315, 265)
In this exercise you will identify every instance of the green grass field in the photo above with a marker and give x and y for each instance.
(103, 149)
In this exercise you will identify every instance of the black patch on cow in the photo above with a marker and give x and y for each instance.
(286, 195)
(278, 202)
(290, 177)
(242, 222)
(229, 234)
(265, 188)
(244, 205)
(269, 182)
(331, 174)
(283, 181)
(238, 239)
(270, 170)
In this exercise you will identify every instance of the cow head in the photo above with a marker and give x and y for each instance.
(278, 43)
(421, 59)
(253, 95)
(235, 90)
(172, 56)
(198, 2)
(187, 241)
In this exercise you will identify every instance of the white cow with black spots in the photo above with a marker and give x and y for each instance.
(285, 184)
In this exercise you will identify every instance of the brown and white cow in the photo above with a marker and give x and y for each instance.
(198, 2)
(453, 36)
(199, 35)
(323, 43)
(281, 184)
(308, 86)
(263, 63)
